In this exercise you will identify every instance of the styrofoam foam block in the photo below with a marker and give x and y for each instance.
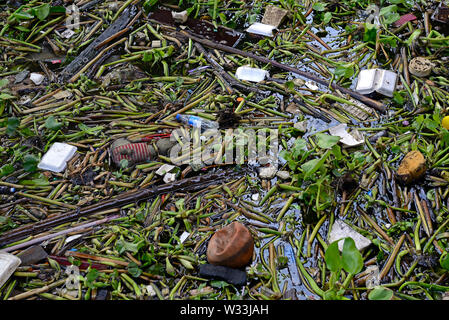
(57, 156)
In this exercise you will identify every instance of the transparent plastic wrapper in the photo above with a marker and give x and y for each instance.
(261, 29)
(57, 156)
(8, 264)
(251, 74)
(381, 81)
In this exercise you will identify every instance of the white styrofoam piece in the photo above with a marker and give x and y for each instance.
(341, 230)
(365, 81)
(354, 138)
(184, 236)
(180, 17)
(164, 169)
(261, 29)
(57, 156)
(169, 177)
(37, 78)
(68, 33)
(8, 264)
(387, 82)
(382, 81)
(251, 74)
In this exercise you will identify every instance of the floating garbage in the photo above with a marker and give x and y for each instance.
(57, 156)
(7, 190)
(373, 277)
(32, 255)
(261, 29)
(445, 122)
(231, 275)
(164, 169)
(284, 175)
(8, 264)
(381, 81)
(251, 74)
(180, 17)
(37, 78)
(350, 139)
(273, 15)
(341, 230)
(197, 122)
(311, 85)
(123, 149)
(68, 33)
(420, 67)
(156, 44)
(404, 19)
(184, 236)
(231, 246)
(412, 167)
(441, 14)
(267, 172)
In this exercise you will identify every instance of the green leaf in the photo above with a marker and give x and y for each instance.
(319, 6)
(326, 141)
(30, 163)
(3, 82)
(12, 125)
(413, 37)
(327, 17)
(42, 11)
(91, 276)
(58, 9)
(169, 267)
(380, 293)
(370, 33)
(299, 147)
(5, 96)
(444, 261)
(52, 124)
(6, 169)
(123, 246)
(310, 167)
(134, 269)
(22, 15)
(398, 97)
(344, 71)
(218, 284)
(390, 14)
(332, 257)
(352, 260)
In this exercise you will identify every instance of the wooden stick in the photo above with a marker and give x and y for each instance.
(57, 234)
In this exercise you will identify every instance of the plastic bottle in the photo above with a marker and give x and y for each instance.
(197, 122)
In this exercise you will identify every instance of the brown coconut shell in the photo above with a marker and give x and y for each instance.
(231, 246)
(412, 167)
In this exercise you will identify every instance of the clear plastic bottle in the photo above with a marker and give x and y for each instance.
(197, 122)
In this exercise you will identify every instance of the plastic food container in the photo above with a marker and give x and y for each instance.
(381, 81)
(57, 156)
(8, 264)
(251, 74)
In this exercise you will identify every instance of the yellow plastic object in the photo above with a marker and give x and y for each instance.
(445, 122)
